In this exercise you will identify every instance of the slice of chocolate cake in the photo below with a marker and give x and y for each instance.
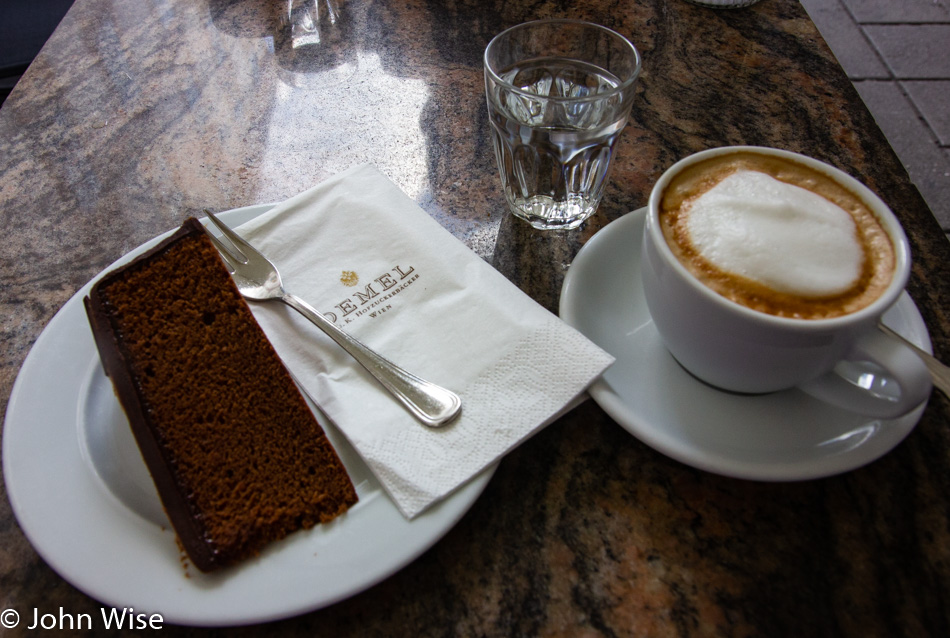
(236, 454)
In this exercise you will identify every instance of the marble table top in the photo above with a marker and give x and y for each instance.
(137, 115)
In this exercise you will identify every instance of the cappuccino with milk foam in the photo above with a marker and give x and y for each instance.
(776, 236)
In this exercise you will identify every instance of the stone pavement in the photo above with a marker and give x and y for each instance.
(897, 54)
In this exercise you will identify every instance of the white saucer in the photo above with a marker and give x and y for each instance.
(82, 495)
(777, 437)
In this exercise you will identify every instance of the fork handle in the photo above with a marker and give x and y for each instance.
(432, 404)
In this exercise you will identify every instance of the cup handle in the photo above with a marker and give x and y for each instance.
(879, 377)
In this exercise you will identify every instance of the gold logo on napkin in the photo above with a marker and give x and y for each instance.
(376, 297)
(349, 278)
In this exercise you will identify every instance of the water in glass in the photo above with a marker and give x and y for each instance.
(554, 137)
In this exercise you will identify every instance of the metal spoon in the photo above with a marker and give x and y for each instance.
(939, 371)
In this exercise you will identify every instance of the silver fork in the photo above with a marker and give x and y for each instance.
(257, 278)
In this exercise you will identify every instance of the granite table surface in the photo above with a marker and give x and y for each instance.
(138, 114)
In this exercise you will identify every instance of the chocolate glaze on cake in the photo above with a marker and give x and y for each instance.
(235, 452)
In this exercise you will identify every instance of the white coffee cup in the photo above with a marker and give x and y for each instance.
(735, 348)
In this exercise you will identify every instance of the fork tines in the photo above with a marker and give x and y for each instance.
(233, 254)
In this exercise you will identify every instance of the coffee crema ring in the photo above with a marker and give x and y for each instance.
(877, 265)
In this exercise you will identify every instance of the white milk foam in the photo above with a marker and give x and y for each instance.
(781, 235)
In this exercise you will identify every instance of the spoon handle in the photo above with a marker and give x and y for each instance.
(939, 371)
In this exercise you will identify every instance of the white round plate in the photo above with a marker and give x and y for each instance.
(782, 436)
(83, 497)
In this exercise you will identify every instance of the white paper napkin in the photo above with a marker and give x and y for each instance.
(360, 251)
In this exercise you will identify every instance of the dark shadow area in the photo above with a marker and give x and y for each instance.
(25, 25)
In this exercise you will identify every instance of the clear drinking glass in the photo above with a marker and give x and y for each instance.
(559, 94)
